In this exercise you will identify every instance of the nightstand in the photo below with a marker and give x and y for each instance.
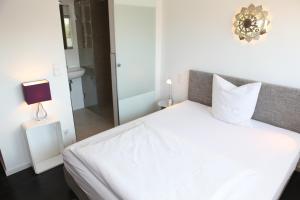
(45, 143)
(163, 104)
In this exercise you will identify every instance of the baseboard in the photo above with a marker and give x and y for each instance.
(19, 168)
(2, 161)
(298, 168)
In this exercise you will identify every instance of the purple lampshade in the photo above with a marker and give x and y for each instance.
(36, 91)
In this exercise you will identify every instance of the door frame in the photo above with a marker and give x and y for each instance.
(113, 62)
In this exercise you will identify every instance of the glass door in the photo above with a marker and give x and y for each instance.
(134, 49)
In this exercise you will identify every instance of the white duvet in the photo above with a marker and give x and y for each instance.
(147, 164)
(184, 153)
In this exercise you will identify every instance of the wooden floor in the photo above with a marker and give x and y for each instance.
(89, 122)
(51, 185)
(26, 185)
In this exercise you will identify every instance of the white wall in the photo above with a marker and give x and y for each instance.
(147, 3)
(197, 34)
(31, 46)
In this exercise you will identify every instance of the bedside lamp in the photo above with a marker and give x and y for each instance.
(170, 100)
(37, 92)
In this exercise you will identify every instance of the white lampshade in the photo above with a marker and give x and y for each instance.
(169, 82)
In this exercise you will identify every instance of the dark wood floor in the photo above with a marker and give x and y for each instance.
(26, 185)
(51, 185)
(292, 190)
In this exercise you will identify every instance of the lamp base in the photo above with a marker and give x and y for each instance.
(41, 113)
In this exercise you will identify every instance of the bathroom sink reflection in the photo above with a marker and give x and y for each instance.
(75, 72)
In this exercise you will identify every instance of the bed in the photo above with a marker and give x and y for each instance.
(187, 154)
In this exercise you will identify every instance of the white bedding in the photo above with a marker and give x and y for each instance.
(184, 153)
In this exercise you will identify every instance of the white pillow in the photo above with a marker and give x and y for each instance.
(233, 104)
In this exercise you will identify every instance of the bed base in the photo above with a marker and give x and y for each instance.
(81, 195)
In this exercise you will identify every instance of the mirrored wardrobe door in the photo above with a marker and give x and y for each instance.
(135, 45)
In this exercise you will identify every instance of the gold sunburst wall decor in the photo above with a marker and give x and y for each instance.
(251, 23)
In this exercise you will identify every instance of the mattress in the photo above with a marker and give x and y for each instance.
(270, 151)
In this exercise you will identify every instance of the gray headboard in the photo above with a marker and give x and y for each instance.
(277, 105)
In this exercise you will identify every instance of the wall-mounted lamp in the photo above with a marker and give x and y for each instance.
(251, 23)
(37, 92)
(170, 99)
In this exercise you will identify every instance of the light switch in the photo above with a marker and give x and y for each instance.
(57, 71)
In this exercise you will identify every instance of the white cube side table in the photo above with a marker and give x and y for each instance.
(45, 143)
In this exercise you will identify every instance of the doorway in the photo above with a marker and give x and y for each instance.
(85, 28)
(110, 48)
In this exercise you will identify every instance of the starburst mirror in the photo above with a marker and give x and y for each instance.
(251, 23)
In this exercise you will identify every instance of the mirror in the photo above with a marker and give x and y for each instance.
(251, 23)
(135, 34)
(66, 26)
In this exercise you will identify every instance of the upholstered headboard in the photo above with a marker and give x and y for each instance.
(277, 105)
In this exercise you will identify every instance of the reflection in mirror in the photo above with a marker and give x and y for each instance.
(135, 34)
(66, 26)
